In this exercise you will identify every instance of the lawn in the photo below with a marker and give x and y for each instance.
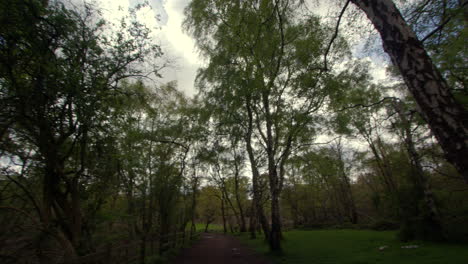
(358, 247)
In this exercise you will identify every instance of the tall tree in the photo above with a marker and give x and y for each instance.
(447, 118)
(262, 76)
(59, 73)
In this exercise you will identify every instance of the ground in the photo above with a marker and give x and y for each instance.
(215, 248)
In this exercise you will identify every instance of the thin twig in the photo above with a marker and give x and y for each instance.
(369, 105)
(441, 26)
(334, 34)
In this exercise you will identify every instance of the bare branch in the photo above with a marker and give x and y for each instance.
(369, 105)
(334, 34)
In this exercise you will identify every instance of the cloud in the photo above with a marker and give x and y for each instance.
(114, 10)
(165, 18)
(180, 46)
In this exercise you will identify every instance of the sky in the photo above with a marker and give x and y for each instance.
(165, 17)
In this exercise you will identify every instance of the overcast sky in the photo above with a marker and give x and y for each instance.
(166, 17)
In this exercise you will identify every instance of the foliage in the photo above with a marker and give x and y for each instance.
(285, 132)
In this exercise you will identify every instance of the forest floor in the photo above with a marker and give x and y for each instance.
(216, 248)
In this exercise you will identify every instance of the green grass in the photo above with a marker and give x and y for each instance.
(358, 247)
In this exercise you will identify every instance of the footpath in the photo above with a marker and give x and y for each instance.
(213, 248)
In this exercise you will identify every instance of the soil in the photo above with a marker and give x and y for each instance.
(214, 248)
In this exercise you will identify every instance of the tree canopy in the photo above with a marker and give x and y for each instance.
(289, 129)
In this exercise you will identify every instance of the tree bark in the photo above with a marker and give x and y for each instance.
(253, 222)
(194, 204)
(275, 234)
(447, 119)
(238, 200)
(255, 173)
(223, 213)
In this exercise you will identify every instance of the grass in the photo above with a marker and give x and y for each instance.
(358, 247)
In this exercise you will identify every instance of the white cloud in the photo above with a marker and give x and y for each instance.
(165, 18)
(181, 43)
(179, 46)
(114, 10)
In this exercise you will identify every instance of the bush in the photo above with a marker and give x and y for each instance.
(456, 229)
(383, 225)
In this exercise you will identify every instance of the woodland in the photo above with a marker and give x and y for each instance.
(289, 129)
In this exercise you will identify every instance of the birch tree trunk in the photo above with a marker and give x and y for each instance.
(447, 118)
(255, 173)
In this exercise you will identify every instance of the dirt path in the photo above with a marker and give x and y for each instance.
(215, 248)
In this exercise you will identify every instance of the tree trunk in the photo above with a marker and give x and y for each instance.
(223, 214)
(193, 228)
(165, 230)
(229, 202)
(275, 234)
(252, 222)
(350, 205)
(447, 118)
(238, 200)
(255, 174)
(143, 249)
(274, 178)
(430, 215)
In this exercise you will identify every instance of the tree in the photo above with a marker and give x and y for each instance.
(59, 73)
(262, 75)
(439, 24)
(447, 118)
(428, 226)
(208, 206)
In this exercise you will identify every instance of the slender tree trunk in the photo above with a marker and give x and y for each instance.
(223, 213)
(238, 200)
(447, 118)
(194, 206)
(229, 202)
(350, 205)
(143, 249)
(144, 227)
(165, 231)
(57, 207)
(253, 222)
(231, 226)
(255, 174)
(77, 223)
(274, 178)
(243, 224)
(275, 234)
(430, 213)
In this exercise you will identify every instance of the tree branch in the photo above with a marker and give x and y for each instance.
(334, 35)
